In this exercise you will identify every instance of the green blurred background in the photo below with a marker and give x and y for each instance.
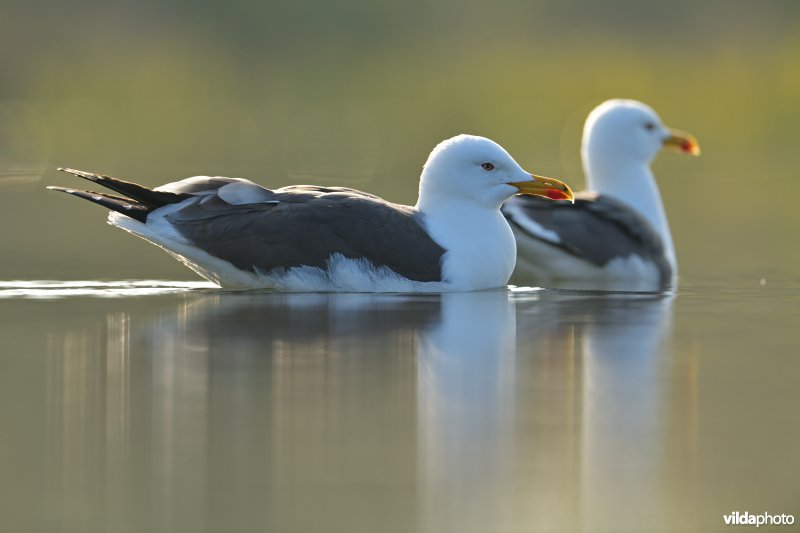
(357, 92)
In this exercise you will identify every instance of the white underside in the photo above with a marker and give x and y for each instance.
(543, 264)
(341, 275)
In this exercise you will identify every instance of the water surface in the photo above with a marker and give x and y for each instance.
(167, 406)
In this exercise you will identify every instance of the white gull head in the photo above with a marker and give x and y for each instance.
(620, 140)
(463, 184)
(469, 170)
(620, 132)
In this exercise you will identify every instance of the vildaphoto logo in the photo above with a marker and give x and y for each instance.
(764, 519)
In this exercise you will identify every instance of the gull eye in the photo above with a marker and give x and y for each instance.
(649, 126)
(488, 167)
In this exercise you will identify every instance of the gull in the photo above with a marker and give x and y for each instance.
(238, 234)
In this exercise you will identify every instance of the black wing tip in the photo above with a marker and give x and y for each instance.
(80, 173)
(122, 205)
(68, 190)
(89, 195)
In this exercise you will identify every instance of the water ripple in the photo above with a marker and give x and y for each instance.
(49, 289)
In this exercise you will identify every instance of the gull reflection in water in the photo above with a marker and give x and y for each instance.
(625, 403)
(488, 411)
(465, 391)
(541, 410)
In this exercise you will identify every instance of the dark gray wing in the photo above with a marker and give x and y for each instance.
(596, 228)
(257, 229)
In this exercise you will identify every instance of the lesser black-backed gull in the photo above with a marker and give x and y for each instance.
(308, 238)
(616, 235)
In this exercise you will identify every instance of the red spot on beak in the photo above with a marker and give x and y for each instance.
(687, 146)
(555, 194)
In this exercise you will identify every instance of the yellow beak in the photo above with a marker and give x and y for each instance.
(682, 142)
(546, 187)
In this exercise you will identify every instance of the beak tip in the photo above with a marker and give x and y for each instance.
(560, 194)
(682, 142)
(690, 147)
(550, 188)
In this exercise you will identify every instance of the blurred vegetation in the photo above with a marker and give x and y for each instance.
(357, 93)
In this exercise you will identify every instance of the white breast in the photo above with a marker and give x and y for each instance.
(480, 245)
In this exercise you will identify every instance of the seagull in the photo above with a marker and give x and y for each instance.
(616, 235)
(305, 238)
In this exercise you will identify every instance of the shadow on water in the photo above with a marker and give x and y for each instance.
(457, 412)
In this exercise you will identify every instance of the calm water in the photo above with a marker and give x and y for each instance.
(152, 406)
